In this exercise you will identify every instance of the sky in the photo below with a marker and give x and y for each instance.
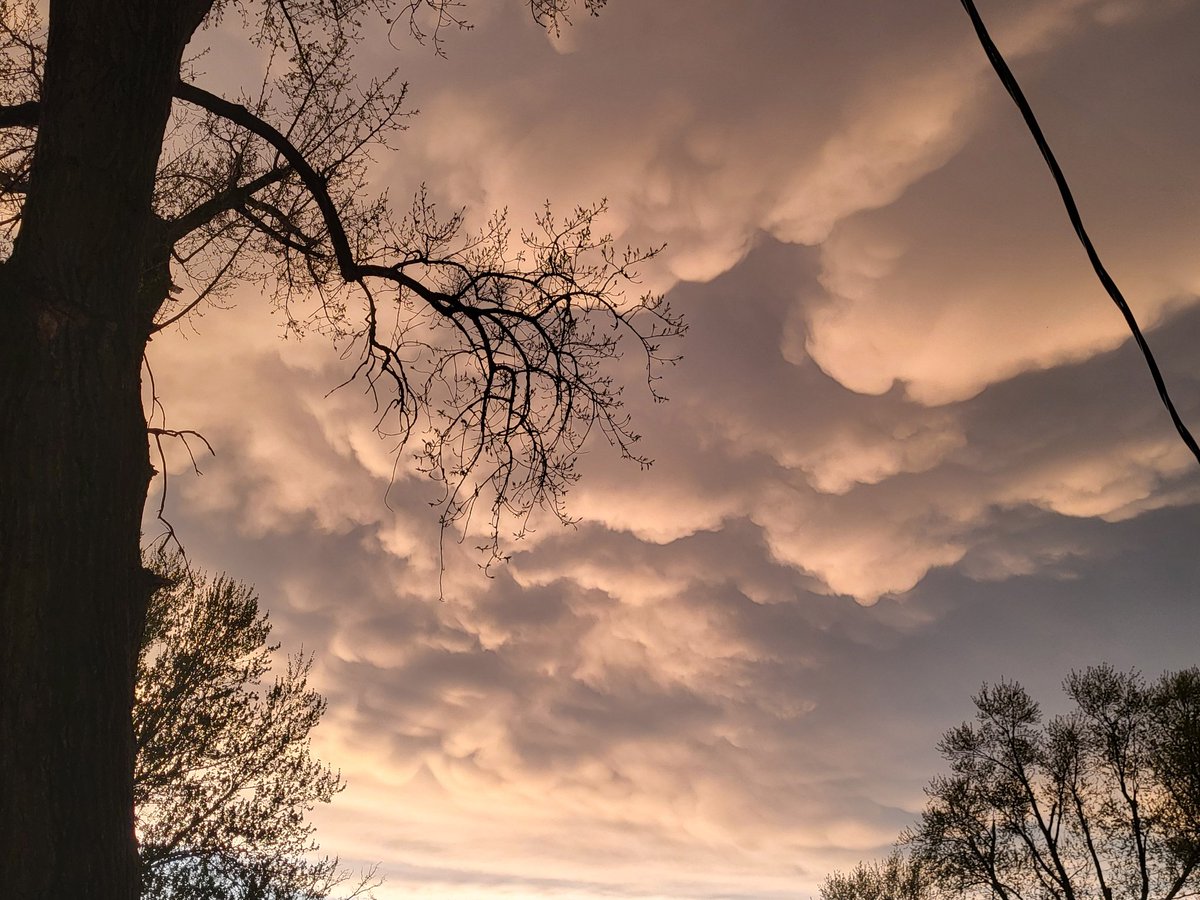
(909, 448)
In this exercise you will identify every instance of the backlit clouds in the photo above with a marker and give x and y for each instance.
(909, 447)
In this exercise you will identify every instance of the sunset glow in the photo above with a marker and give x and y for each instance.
(909, 448)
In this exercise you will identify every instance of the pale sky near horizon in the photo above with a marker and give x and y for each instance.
(909, 448)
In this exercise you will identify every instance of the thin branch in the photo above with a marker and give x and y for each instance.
(318, 185)
(1185, 872)
(208, 288)
(1086, 829)
(306, 246)
(223, 202)
(183, 435)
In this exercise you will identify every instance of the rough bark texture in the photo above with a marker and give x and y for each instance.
(73, 457)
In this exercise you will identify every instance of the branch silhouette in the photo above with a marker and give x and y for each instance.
(532, 328)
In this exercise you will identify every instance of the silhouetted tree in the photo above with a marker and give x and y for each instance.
(898, 877)
(132, 195)
(1097, 803)
(1100, 803)
(224, 774)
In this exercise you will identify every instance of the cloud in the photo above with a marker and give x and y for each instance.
(867, 494)
(974, 276)
(678, 680)
(909, 453)
(946, 262)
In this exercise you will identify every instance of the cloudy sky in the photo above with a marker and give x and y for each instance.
(909, 448)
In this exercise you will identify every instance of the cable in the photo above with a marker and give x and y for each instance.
(1010, 83)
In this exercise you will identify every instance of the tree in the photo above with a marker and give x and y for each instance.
(898, 877)
(224, 773)
(1099, 803)
(131, 195)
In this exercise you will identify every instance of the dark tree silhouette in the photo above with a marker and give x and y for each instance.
(1103, 801)
(1099, 803)
(224, 774)
(897, 877)
(131, 196)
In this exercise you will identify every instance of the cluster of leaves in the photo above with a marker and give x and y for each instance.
(1102, 802)
(224, 775)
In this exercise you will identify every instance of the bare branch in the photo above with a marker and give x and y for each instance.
(515, 384)
(20, 115)
(224, 202)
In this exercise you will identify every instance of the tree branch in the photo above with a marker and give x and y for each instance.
(318, 186)
(522, 385)
(304, 245)
(223, 202)
(1185, 872)
(20, 115)
(1086, 830)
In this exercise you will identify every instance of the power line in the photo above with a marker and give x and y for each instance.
(1014, 89)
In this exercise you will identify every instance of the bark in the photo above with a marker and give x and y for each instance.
(73, 456)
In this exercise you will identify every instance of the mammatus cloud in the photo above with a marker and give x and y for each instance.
(907, 452)
(623, 703)
(946, 263)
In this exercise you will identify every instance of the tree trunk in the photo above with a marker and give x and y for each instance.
(73, 454)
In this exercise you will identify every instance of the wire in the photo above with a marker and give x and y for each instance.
(1010, 83)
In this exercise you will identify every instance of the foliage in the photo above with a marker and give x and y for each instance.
(1101, 802)
(898, 877)
(224, 773)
